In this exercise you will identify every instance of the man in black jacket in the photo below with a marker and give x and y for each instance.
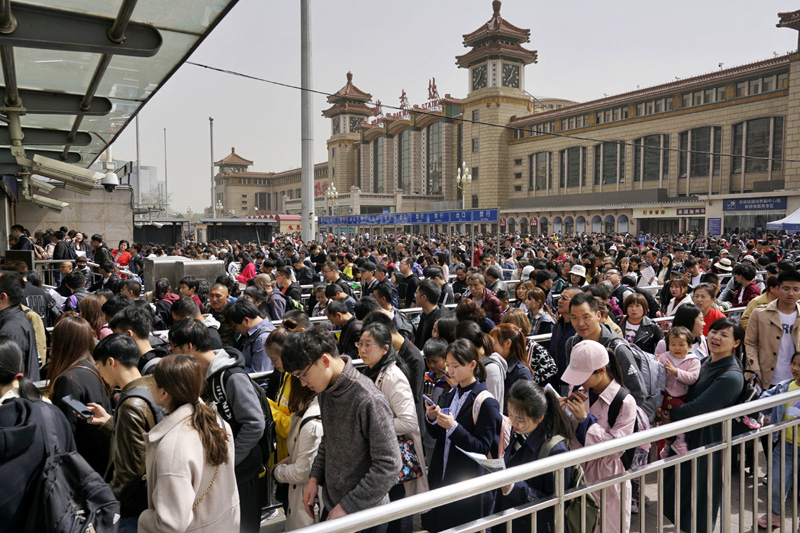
(62, 251)
(18, 233)
(330, 272)
(101, 251)
(304, 274)
(407, 287)
(109, 278)
(16, 325)
(351, 327)
(428, 293)
(288, 288)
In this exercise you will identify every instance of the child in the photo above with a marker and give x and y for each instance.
(777, 414)
(683, 369)
(436, 382)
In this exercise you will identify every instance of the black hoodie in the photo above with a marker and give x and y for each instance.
(22, 455)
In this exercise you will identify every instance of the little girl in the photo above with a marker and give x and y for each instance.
(780, 413)
(683, 369)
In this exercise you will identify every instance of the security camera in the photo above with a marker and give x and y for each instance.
(75, 178)
(43, 186)
(158, 224)
(44, 201)
(110, 181)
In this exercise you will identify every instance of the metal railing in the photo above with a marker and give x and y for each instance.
(558, 465)
(48, 270)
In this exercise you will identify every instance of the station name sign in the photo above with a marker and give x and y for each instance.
(755, 204)
(402, 219)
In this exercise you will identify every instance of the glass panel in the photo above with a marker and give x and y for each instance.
(665, 157)
(609, 163)
(404, 161)
(683, 154)
(738, 132)
(637, 160)
(377, 161)
(541, 171)
(434, 166)
(598, 148)
(757, 145)
(652, 153)
(573, 167)
(701, 144)
(717, 149)
(777, 144)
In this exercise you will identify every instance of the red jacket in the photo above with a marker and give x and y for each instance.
(491, 304)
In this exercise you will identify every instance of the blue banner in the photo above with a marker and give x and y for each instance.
(404, 219)
(715, 226)
(755, 204)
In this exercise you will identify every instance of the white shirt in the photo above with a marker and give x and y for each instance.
(786, 350)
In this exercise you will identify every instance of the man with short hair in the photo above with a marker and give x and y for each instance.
(383, 295)
(17, 232)
(461, 284)
(288, 288)
(586, 319)
(494, 280)
(357, 461)
(773, 332)
(217, 301)
(562, 332)
(341, 317)
(446, 295)
(188, 287)
(484, 298)
(407, 287)
(131, 288)
(186, 308)
(383, 277)
(334, 292)
(244, 316)
(230, 391)
(116, 357)
(619, 291)
(64, 268)
(109, 278)
(769, 295)
(76, 283)
(276, 302)
(368, 279)
(16, 325)
(428, 293)
(330, 271)
(136, 322)
(304, 273)
(100, 250)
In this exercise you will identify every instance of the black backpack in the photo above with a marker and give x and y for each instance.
(640, 424)
(71, 496)
(218, 383)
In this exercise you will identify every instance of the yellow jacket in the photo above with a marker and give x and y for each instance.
(282, 417)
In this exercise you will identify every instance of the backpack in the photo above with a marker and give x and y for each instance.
(139, 495)
(640, 424)
(654, 376)
(218, 383)
(751, 390)
(505, 426)
(577, 480)
(71, 496)
(292, 304)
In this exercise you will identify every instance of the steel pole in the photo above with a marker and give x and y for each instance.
(213, 194)
(138, 191)
(306, 125)
(166, 183)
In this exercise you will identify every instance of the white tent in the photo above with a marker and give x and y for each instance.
(790, 223)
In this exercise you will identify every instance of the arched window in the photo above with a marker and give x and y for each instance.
(609, 223)
(580, 224)
(557, 224)
(434, 162)
(622, 224)
(543, 226)
(404, 161)
(378, 174)
(597, 224)
(569, 225)
(511, 225)
(523, 225)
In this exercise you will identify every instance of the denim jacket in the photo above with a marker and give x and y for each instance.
(776, 413)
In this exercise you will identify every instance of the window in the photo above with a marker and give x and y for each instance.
(474, 145)
(517, 162)
(244, 196)
(474, 201)
(539, 171)
(763, 84)
(333, 153)
(541, 129)
(474, 173)
(434, 163)
(378, 176)
(695, 147)
(573, 167)
(651, 158)
(756, 139)
(404, 161)
(517, 188)
(704, 97)
(609, 161)
(476, 115)
(518, 175)
(611, 115)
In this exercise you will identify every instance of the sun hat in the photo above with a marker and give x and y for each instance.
(586, 357)
(725, 264)
(526, 273)
(578, 270)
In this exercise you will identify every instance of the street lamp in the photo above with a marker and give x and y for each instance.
(189, 214)
(220, 208)
(331, 196)
(463, 178)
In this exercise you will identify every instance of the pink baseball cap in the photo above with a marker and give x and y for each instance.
(586, 357)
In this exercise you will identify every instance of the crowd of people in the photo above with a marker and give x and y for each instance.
(381, 364)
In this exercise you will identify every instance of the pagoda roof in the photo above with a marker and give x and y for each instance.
(233, 159)
(790, 19)
(349, 93)
(495, 49)
(352, 108)
(496, 27)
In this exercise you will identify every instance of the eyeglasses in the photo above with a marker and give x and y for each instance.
(365, 345)
(518, 418)
(302, 377)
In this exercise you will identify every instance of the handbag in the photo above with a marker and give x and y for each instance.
(411, 468)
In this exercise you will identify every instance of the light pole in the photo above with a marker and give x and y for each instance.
(463, 178)
(189, 214)
(331, 196)
(211, 135)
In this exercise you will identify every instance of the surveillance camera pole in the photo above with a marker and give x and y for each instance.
(213, 199)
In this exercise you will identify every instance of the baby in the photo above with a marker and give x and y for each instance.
(683, 369)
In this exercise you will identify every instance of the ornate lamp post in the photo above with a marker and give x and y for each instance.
(331, 196)
(189, 214)
(463, 178)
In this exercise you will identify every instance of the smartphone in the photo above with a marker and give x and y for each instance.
(550, 387)
(80, 409)
(428, 399)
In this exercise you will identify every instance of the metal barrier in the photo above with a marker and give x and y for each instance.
(48, 270)
(557, 465)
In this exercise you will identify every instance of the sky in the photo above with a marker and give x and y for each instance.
(586, 50)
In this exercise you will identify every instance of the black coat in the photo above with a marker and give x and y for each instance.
(535, 488)
(294, 291)
(425, 326)
(22, 455)
(647, 336)
(483, 438)
(16, 325)
(82, 382)
(351, 332)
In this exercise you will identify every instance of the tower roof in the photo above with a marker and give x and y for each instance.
(349, 99)
(497, 37)
(233, 159)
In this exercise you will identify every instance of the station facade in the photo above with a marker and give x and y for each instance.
(719, 152)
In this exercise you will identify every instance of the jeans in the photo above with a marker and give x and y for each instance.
(777, 497)
(129, 525)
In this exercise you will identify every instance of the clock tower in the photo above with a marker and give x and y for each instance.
(496, 65)
(348, 112)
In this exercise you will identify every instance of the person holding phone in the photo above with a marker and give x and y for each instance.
(454, 427)
(595, 377)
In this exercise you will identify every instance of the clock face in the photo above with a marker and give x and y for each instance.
(511, 75)
(355, 123)
(479, 77)
(336, 126)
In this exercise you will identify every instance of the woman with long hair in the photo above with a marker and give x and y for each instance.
(703, 297)
(12, 383)
(305, 434)
(260, 299)
(467, 309)
(163, 298)
(541, 319)
(664, 269)
(521, 293)
(445, 328)
(509, 342)
(390, 375)
(454, 426)
(719, 385)
(678, 288)
(190, 457)
(91, 311)
(73, 373)
(539, 424)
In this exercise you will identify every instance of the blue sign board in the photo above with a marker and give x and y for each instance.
(714, 226)
(755, 204)
(403, 219)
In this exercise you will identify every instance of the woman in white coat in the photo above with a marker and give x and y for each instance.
(305, 434)
(191, 485)
(389, 373)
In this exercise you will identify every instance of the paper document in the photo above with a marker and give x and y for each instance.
(492, 465)
(648, 277)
